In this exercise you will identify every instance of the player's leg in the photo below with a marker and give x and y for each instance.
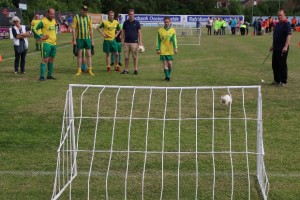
(134, 49)
(126, 57)
(45, 58)
(51, 62)
(119, 45)
(114, 50)
(88, 47)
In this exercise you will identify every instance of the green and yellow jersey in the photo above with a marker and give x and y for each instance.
(166, 41)
(109, 28)
(34, 23)
(82, 25)
(48, 27)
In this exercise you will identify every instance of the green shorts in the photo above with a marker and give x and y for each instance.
(166, 58)
(48, 50)
(110, 46)
(84, 43)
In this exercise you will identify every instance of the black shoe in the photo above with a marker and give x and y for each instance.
(51, 77)
(124, 72)
(167, 79)
(274, 83)
(120, 64)
(135, 72)
(41, 78)
(281, 84)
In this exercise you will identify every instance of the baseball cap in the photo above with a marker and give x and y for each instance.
(84, 8)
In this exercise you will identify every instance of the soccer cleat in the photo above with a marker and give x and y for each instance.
(124, 72)
(120, 64)
(16, 72)
(41, 78)
(90, 71)
(51, 77)
(274, 83)
(108, 69)
(117, 68)
(135, 72)
(78, 72)
(167, 79)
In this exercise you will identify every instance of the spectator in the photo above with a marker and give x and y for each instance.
(280, 47)
(20, 33)
(209, 25)
(131, 39)
(36, 20)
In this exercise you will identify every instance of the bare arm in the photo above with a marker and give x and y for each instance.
(140, 36)
(287, 43)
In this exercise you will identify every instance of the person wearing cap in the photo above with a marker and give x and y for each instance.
(83, 38)
(110, 30)
(20, 35)
(48, 37)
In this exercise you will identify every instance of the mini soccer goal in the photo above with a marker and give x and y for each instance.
(188, 35)
(138, 142)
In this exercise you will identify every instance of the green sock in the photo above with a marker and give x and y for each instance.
(167, 74)
(112, 58)
(119, 57)
(37, 46)
(42, 69)
(50, 69)
(170, 69)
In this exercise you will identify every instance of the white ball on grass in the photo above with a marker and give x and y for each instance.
(226, 100)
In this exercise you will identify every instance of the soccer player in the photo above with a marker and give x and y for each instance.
(280, 47)
(166, 46)
(36, 20)
(83, 38)
(119, 47)
(110, 28)
(131, 40)
(48, 27)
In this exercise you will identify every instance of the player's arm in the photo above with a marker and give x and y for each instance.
(140, 36)
(158, 43)
(91, 31)
(174, 42)
(99, 29)
(74, 32)
(118, 30)
(38, 27)
(288, 40)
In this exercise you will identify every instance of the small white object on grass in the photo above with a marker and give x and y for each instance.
(262, 80)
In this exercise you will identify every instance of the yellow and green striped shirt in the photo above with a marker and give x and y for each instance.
(48, 27)
(109, 28)
(82, 25)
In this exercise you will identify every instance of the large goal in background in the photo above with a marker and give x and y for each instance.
(136, 142)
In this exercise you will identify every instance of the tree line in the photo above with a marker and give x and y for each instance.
(191, 7)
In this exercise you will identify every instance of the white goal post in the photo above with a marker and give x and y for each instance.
(188, 35)
(140, 142)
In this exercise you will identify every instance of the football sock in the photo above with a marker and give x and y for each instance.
(37, 46)
(50, 69)
(42, 69)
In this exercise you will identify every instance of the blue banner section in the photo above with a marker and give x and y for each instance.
(155, 18)
(148, 18)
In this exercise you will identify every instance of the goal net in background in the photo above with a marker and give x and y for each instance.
(188, 35)
(135, 142)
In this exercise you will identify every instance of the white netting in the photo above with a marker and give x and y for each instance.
(188, 35)
(126, 142)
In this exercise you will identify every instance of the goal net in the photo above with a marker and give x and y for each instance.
(188, 35)
(138, 142)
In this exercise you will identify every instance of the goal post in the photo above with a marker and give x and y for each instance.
(188, 35)
(143, 142)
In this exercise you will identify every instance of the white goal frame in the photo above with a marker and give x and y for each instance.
(68, 162)
(188, 35)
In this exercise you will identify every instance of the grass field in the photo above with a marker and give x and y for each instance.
(31, 111)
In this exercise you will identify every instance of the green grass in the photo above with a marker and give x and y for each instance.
(31, 112)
